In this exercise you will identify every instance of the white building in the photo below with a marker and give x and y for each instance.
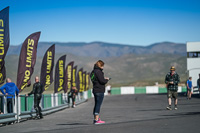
(193, 61)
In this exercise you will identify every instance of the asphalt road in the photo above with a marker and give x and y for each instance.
(123, 114)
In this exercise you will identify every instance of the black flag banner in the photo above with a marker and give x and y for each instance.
(87, 81)
(79, 81)
(74, 76)
(27, 60)
(84, 82)
(4, 41)
(60, 74)
(68, 77)
(46, 75)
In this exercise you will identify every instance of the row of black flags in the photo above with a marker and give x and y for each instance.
(65, 77)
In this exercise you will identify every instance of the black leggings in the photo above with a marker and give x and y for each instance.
(10, 105)
(73, 97)
(37, 107)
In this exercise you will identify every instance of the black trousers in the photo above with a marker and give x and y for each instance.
(72, 96)
(10, 105)
(37, 107)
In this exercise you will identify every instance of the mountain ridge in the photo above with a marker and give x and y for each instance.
(104, 49)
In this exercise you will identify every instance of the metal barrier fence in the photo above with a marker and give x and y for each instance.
(23, 107)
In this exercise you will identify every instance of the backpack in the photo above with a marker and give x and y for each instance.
(92, 76)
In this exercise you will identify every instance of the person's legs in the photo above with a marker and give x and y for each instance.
(9, 108)
(73, 99)
(39, 108)
(169, 96)
(98, 97)
(190, 93)
(169, 101)
(95, 106)
(9, 105)
(175, 95)
(175, 102)
(36, 106)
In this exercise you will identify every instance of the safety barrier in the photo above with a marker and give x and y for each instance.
(23, 107)
(140, 90)
(143, 90)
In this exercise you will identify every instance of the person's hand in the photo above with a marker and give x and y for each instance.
(26, 95)
(171, 82)
(107, 78)
(6, 93)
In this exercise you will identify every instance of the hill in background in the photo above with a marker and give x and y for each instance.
(102, 49)
(128, 69)
(125, 64)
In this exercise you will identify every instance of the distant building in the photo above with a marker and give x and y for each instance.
(193, 61)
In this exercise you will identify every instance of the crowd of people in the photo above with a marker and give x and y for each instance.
(172, 80)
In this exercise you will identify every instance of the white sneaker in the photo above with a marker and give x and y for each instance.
(169, 108)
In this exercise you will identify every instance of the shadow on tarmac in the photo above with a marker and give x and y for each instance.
(70, 124)
(184, 114)
(153, 110)
(189, 103)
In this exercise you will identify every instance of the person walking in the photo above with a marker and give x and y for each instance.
(99, 81)
(189, 88)
(37, 91)
(172, 79)
(72, 94)
(10, 89)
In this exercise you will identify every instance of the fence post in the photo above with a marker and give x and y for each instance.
(1, 103)
(52, 100)
(85, 95)
(5, 104)
(56, 99)
(26, 102)
(42, 101)
(79, 97)
(14, 100)
(63, 98)
(18, 111)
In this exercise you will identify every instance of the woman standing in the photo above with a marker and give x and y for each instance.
(98, 80)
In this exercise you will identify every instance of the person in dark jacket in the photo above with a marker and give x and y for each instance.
(98, 80)
(10, 90)
(72, 94)
(37, 91)
(172, 79)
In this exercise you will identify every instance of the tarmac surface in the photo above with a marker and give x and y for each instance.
(123, 114)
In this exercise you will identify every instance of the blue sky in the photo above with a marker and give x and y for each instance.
(134, 22)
